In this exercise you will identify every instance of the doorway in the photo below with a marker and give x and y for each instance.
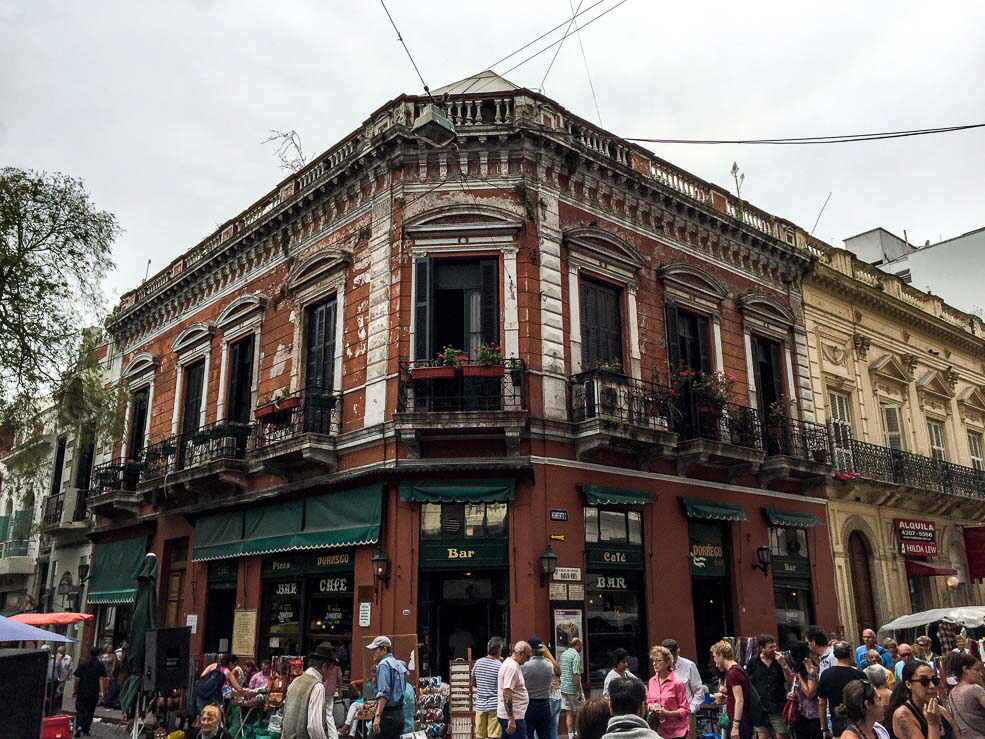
(859, 556)
(711, 601)
(460, 609)
(220, 609)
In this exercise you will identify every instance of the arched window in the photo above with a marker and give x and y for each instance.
(859, 556)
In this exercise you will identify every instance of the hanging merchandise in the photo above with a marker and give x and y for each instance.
(430, 710)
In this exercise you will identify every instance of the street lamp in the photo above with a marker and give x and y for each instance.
(381, 567)
(434, 126)
(765, 556)
(548, 564)
(83, 572)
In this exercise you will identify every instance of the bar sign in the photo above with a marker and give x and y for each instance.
(558, 514)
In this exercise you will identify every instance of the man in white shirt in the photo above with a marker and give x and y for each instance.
(687, 672)
(304, 704)
(817, 640)
(511, 692)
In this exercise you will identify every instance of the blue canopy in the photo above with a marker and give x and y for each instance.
(11, 630)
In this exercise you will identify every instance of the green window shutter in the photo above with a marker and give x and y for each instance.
(21, 526)
(4, 527)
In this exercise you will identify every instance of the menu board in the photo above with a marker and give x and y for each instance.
(244, 632)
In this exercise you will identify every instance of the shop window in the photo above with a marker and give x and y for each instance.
(935, 430)
(320, 345)
(465, 295)
(768, 366)
(56, 478)
(788, 542)
(239, 404)
(613, 527)
(892, 426)
(687, 339)
(468, 520)
(975, 447)
(139, 408)
(601, 325)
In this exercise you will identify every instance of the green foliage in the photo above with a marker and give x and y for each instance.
(54, 253)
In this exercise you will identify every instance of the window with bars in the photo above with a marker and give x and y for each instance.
(935, 429)
(975, 446)
(892, 425)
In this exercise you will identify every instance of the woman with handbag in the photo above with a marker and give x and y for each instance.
(801, 710)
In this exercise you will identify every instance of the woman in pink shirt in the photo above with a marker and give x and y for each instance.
(666, 697)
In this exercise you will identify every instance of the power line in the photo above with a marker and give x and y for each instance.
(588, 72)
(574, 14)
(805, 140)
(404, 44)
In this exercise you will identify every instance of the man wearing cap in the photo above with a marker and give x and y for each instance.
(391, 679)
(304, 705)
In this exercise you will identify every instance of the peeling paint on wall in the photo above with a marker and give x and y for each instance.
(280, 360)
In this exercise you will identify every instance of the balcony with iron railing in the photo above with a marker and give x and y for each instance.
(17, 557)
(114, 488)
(798, 451)
(54, 506)
(718, 435)
(297, 432)
(66, 512)
(464, 399)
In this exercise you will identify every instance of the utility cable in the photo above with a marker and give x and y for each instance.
(404, 44)
(588, 72)
(802, 140)
(574, 14)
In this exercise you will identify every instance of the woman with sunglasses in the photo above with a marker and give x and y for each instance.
(967, 699)
(862, 708)
(914, 709)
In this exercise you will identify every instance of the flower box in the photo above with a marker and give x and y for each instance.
(482, 370)
(272, 409)
(441, 372)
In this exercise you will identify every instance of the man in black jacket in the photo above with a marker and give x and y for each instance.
(87, 677)
(768, 675)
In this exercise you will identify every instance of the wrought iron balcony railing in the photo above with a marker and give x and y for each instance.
(799, 439)
(54, 505)
(311, 411)
(117, 474)
(17, 548)
(210, 443)
(727, 423)
(598, 393)
(429, 387)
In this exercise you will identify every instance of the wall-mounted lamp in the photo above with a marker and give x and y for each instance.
(953, 582)
(83, 572)
(548, 564)
(381, 567)
(765, 556)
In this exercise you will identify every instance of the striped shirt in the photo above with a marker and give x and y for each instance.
(485, 671)
(570, 664)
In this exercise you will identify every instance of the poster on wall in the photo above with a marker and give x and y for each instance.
(567, 626)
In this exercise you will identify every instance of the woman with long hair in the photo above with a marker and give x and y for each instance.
(914, 709)
(966, 701)
(862, 709)
(804, 691)
(555, 695)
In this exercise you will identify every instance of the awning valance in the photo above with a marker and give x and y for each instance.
(339, 519)
(457, 491)
(697, 508)
(927, 569)
(597, 495)
(114, 571)
(791, 520)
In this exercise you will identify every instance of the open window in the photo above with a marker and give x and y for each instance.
(688, 342)
(456, 304)
(768, 366)
(139, 410)
(938, 449)
(240, 390)
(892, 425)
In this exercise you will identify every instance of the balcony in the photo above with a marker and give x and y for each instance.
(297, 435)
(204, 462)
(726, 437)
(17, 557)
(911, 472)
(114, 488)
(796, 451)
(618, 415)
(72, 502)
(54, 505)
(437, 403)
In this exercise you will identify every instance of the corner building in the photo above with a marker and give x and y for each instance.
(300, 457)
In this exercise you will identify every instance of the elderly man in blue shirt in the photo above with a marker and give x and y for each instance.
(869, 642)
(391, 681)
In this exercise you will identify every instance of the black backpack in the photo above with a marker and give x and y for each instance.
(210, 686)
(754, 711)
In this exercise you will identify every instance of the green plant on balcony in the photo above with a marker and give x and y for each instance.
(489, 354)
(610, 365)
(450, 356)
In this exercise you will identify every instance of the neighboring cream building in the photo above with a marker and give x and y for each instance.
(899, 376)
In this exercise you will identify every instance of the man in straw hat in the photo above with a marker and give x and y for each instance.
(304, 705)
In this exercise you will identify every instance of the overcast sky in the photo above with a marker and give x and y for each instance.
(161, 107)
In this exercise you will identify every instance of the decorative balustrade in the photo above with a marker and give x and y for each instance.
(429, 387)
(599, 393)
(54, 505)
(311, 411)
(17, 548)
(210, 443)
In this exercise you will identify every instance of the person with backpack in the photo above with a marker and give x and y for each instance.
(211, 683)
(742, 705)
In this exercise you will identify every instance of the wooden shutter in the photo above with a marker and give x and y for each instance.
(892, 426)
(704, 351)
(776, 364)
(840, 408)
(138, 423)
(601, 324)
(423, 284)
(858, 558)
(320, 345)
(489, 300)
(590, 349)
(192, 405)
(673, 335)
(938, 450)
(240, 389)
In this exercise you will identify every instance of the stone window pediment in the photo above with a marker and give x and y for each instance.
(319, 265)
(595, 247)
(891, 369)
(767, 316)
(471, 222)
(935, 393)
(195, 336)
(242, 309)
(692, 286)
(971, 402)
(141, 364)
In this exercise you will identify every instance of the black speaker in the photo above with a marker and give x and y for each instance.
(166, 659)
(22, 683)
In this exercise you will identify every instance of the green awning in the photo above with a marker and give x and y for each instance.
(218, 536)
(790, 519)
(342, 519)
(272, 528)
(114, 571)
(697, 508)
(457, 491)
(596, 495)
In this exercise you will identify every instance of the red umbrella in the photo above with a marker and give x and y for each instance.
(51, 619)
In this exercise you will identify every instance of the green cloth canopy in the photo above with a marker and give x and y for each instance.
(115, 566)
(596, 495)
(697, 508)
(339, 519)
(790, 519)
(457, 491)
